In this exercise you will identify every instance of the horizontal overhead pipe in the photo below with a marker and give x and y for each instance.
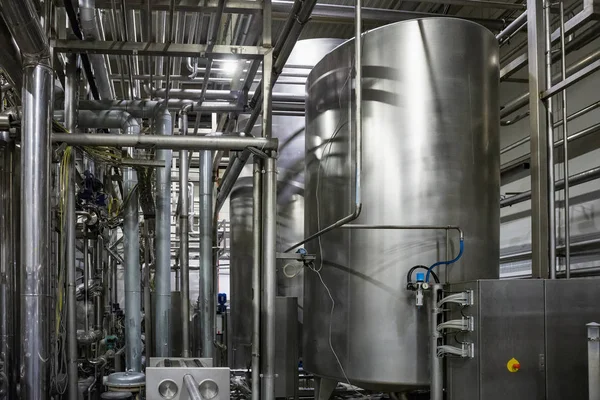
(582, 247)
(194, 94)
(574, 180)
(518, 162)
(513, 27)
(148, 108)
(170, 142)
(523, 100)
(571, 117)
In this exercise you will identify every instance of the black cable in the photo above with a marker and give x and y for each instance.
(413, 269)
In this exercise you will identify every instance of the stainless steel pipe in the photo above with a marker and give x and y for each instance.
(71, 85)
(162, 314)
(206, 295)
(436, 367)
(149, 108)
(184, 250)
(269, 278)
(164, 142)
(257, 233)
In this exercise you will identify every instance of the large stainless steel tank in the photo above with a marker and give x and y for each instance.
(290, 216)
(430, 157)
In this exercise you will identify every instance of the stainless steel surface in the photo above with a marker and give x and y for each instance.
(160, 142)
(570, 304)
(147, 292)
(269, 280)
(35, 264)
(209, 382)
(593, 338)
(423, 141)
(290, 214)
(133, 294)
(286, 348)
(516, 25)
(70, 225)
(162, 333)
(509, 323)
(184, 249)
(206, 296)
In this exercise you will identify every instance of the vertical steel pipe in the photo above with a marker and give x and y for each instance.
(162, 326)
(206, 295)
(133, 294)
(71, 101)
(565, 131)
(593, 337)
(147, 295)
(550, 191)
(540, 208)
(86, 277)
(269, 278)
(98, 295)
(256, 274)
(436, 367)
(184, 249)
(35, 170)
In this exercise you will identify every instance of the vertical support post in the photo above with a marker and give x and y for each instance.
(98, 297)
(541, 212)
(256, 273)
(437, 371)
(35, 210)
(269, 278)
(565, 131)
(593, 336)
(184, 249)
(71, 101)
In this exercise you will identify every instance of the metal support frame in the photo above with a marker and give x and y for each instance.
(593, 337)
(542, 253)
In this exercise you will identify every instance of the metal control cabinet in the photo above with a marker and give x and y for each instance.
(540, 323)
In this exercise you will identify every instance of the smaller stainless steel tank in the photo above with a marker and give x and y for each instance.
(289, 130)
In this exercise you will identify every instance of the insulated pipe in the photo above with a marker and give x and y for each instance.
(162, 326)
(23, 22)
(35, 294)
(149, 108)
(71, 98)
(269, 212)
(184, 250)
(162, 142)
(89, 27)
(226, 95)
(133, 294)
(206, 295)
